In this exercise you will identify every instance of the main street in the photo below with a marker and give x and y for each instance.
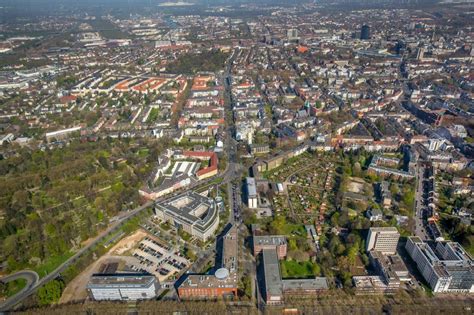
(232, 171)
(420, 229)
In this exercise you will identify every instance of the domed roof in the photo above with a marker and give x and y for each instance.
(222, 273)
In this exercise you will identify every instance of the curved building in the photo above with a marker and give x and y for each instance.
(194, 213)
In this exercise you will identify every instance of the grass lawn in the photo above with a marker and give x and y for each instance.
(143, 152)
(296, 269)
(52, 263)
(294, 229)
(12, 288)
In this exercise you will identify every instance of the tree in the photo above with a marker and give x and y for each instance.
(292, 244)
(50, 292)
(316, 269)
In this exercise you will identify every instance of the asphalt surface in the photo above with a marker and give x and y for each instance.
(420, 229)
(31, 278)
(231, 172)
(227, 175)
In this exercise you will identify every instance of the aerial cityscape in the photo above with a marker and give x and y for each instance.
(236, 157)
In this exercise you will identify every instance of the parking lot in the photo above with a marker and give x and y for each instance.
(155, 256)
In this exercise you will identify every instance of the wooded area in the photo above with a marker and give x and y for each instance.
(212, 60)
(53, 200)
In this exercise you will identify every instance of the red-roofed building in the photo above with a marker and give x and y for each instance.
(68, 99)
(302, 49)
(209, 171)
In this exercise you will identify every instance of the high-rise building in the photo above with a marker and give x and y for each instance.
(383, 239)
(420, 53)
(365, 32)
(445, 266)
(292, 34)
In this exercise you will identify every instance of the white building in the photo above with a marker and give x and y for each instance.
(446, 267)
(252, 198)
(126, 286)
(383, 239)
(197, 215)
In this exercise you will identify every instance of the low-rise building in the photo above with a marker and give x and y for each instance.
(277, 242)
(122, 286)
(374, 214)
(263, 148)
(252, 197)
(275, 288)
(225, 280)
(272, 291)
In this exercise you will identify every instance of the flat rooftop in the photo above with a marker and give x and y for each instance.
(192, 208)
(229, 251)
(120, 280)
(318, 283)
(251, 187)
(390, 229)
(269, 240)
(272, 272)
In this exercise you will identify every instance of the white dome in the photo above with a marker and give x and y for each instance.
(222, 273)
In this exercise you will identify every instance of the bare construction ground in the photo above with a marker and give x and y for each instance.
(76, 289)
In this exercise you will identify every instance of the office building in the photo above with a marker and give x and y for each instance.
(383, 239)
(224, 282)
(292, 34)
(365, 32)
(277, 242)
(445, 266)
(390, 268)
(252, 197)
(194, 213)
(122, 286)
(275, 288)
(273, 292)
(420, 53)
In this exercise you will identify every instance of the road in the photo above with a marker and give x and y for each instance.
(112, 228)
(420, 229)
(232, 171)
(31, 278)
(12, 301)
